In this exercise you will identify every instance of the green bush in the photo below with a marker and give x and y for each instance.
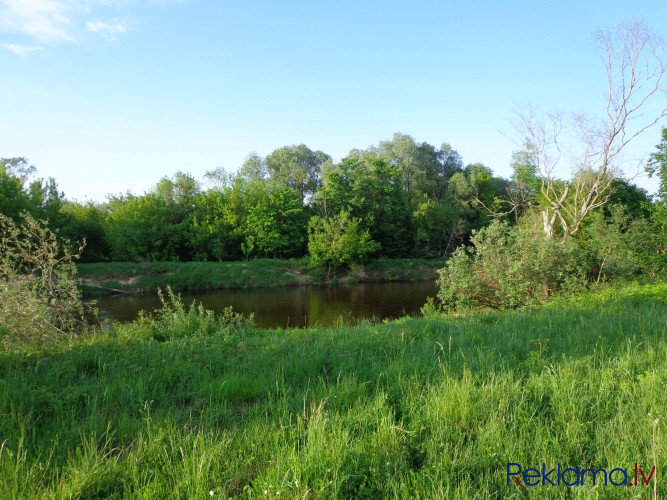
(176, 320)
(511, 266)
(339, 241)
(39, 299)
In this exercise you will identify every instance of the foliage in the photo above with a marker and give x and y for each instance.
(414, 199)
(657, 165)
(137, 229)
(424, 169)
(622, 246)
(296, 167)
(369, 189)
(510, 266)
(212, 234)
(21, 193)
(39, 300)
(438, 227)
(85, 222)
(275, 224)
(175, 320)
(339, 241)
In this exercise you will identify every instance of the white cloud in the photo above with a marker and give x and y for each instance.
(45, 20)
(50, 21)
(21, 50)
(105, 28)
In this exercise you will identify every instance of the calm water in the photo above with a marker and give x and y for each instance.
(298, 306)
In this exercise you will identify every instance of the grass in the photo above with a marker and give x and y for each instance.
(258, 273)
(414, 408)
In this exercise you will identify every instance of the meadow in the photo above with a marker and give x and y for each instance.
(188, 405)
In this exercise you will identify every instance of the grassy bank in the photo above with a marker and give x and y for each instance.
(198, 276)
(416, 408)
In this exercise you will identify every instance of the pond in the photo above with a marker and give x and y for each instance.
(299, 306)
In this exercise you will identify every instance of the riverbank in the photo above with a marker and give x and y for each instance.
(189, 406)
(146, 277)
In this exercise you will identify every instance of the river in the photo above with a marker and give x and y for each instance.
(299, 306)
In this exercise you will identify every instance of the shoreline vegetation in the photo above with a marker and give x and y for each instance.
(148, 277)
(187, 405)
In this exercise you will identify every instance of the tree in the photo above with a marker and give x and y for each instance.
(339, 241)
(296, 167)
(439, 227)
(657, 165)
(424, 169)
(85, 223)
(276, 224)
(14, 199)
(635, 66)
(18, 193)
(254, 168)
(370, 189)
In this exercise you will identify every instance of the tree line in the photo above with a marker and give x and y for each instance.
(401, 198)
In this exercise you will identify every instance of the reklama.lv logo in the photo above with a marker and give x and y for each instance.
(575, 477)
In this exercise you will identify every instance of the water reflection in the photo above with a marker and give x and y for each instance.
(294, 306)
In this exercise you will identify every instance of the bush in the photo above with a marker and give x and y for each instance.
(175, 320)
(511, 266)
(39, 299)
(339, 242)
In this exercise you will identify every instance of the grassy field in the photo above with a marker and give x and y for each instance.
(199, 276)
(189, 406)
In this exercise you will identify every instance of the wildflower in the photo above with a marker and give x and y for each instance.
(211, 493)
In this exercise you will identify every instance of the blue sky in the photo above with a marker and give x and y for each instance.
(110, 95)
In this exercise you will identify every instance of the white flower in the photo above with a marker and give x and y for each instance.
(211, 493)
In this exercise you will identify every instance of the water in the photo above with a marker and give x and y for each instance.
(299, 306)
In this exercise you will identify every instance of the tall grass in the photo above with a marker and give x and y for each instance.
(414, 408)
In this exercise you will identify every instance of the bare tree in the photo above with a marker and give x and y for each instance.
(636, 99)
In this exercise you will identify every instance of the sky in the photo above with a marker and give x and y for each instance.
(109, 96)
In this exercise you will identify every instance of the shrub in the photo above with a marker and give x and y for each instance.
(176, 320)
(339, 241)
(39, 299)
(511, 266)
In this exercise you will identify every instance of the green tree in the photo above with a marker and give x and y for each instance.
(21, 192)
(213, 234)
(339, 241)
(424, 169)
(83, 224)
(439, 227)
(154, 226)
(254, 168)
(296, 167)
(276, 224)
(622, 245)
(657, 165)
(371, 190)
(14, 199)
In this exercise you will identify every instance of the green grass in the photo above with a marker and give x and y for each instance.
(414, 408)
(258, 273)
